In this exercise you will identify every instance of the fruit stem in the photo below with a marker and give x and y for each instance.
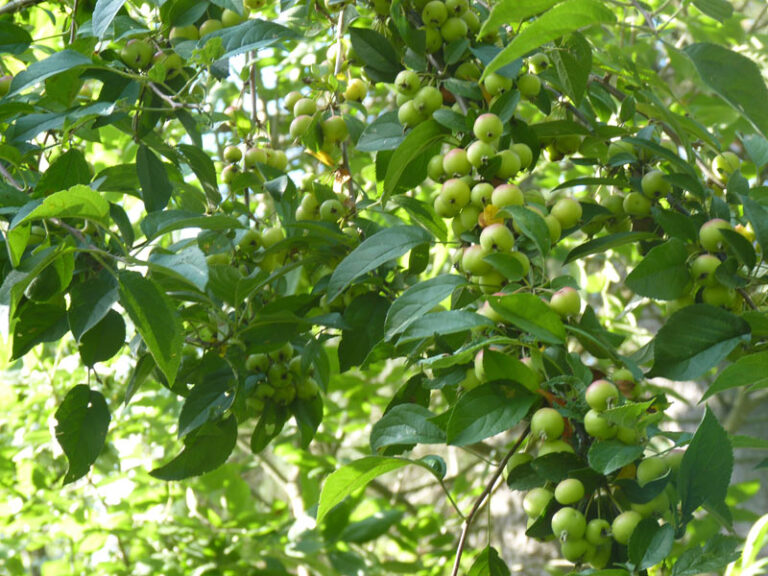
(482, 498)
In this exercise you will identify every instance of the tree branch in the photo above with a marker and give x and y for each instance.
(481, 499)
(18, 5)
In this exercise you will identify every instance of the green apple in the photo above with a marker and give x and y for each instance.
(555, 229)
(601, 395)
(456, 163)
(509, 166)
(718, 295)
(210, 26)
(547, 423)
(334, 129)
(434, 41)
(497, 238)
(725, 164)
(529, 85)
(523, 152)
(525, 263)
(568, 144)
(703, 268)
(539, 62)
(507, 195)
(443, 208)
(229, 173)
(569, 491)
(254, 156)
(495, 84)
(636, 204)
(468, 216)
(299, 126)
(428, 99)
(536, 501)
(291, 98)
(231, 18)
(569, 524)
(434, 14)
(472, 260)
(232, 154)
(407, 83)
(654, 186)
(435, 170)
(554, 447)
(650, 469)
(481, 194)
(179, 33)
(575, 550)
(271, 236)
(472, 20)
(456, 192)
(250, 241)
(257, 363)
(331, 210)
(567, 211)
(136, 54)
(598, 427)
(479, 153)
(409, 115)
(455, 28)
(598, 531)
(304, 107)
(488, 127)
(457, 7)
(710, 237)
(566, 302)
(624, 525)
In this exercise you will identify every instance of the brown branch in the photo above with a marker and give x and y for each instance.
(482, 498)
(17, 5)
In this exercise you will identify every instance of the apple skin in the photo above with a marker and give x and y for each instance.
(725, 164)
(523, 152)
(136, 54)
(510, 164)
(601, 395)
(536, 501)
(331, 210)
(428, 99)
(409, 116)
(456, 163)
(529, 85)
(488, 127)
(650, 469)
(598, 531)
(434, 14)
(356, 90)
(569, 524)
(507, 195)
(624, 525)
(495, 84)
(547, 423)
(567, 211)
(637, 204)
(184, 33)
(455, 28)
(654, 186)
(304, 107)
(710, 237)
(435, 170)
(210, 26)
(620, 147)
(703, 269)
(334, 129)
(598, 427)
(554, 447)
(479, 153)
(566, 302)
(569, 491)
(407, 83)
(497, 238)
(481, 194)
(472, 260)
(718, 295)
(456, 192)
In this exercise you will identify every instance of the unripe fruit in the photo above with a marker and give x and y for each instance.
(271, 236)
(529, 85)
(250, 241)
(569, 491)
(710, 237)
(488, 127)
(254, 156)
(356, 90)
(703, 268)
(210, 26)
(229, 172)
(456, 192)
(479, 153)
(510, 165)
(650, 469)
(299, 126)
(624, 525)
(257, 363)
(569, 524)
(457, 7)
(495, 84)
(568, 144)
(472, 20)
(136, 54)
(507, 195)
(456, 163)
(601, 395)
(718, 295)
(525, 263)
(184, 33)
(523, 152)
(554, 447)
(620, 147)
(654, 508)
(434, 14)
(232, 154)
(467, 70)
(654, 186)
(555, 230)
(407, 83)
(231, 18)
(567, 211)
(453, 29)
(636, 204)
(481, 194)
(725, 164)
(427, 100)
(598, 427)
(497, 238)
(304, 107)
(547, 423)
(434, 40)
(469, 215)
(566, 302)
(443, 208)
(472, 261)
(490, 282)
(408, 115)
(598, 531)
(574, 550)
(487, 310)
(536, 501)
(334, 129)
(291, 98)
(331, 210)
(539, 62)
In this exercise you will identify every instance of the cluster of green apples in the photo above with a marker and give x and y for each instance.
(254, 155)
(416, 103)
(593, 520)
(253, 247)
(281, 378)
(333, 127)
(444, 22)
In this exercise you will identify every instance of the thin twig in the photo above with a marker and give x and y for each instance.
(7, 175)
(481, 499)
(73, 24)
(747, 298)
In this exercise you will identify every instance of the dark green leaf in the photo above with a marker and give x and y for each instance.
(90, 301)
(418, 140)
(155, 186)
(155, 318)
(372, 527)
(695, 339)
(713, 557)
(758, 217)
(202, 165)
(486, 411)
(531, 315)
(488, 563)
(270, 424)
(104, 340)
(606, 456)
(253, 34)
(380, 248)
(208, 400)
(37, 323)
(159, 223)
(650, 543)
(77, 202)
(705, 471)
(405, 425)
(663, 273)
(205, 449)
(103, 14)
(364, 317)
(735, 78)
(418, 300)
(381, 60)
(66, 171)
(82, 421)
(749, 371)
(606, 243)
(573, 63)
(13, 39)
(309, 415)
(384, 133)
(38, 71)
(718, 9)
(532, 225)
(442, 323)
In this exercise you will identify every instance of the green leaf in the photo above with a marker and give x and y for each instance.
(564, 18)
(38, 71)
(606, 243)
(663, 273)
(488, 563)
(202, 165)
(718, 9)
(748, 371)
(103, 14)
(532, 226)
(67, 170)
(205, 449)
(530, 315)
(758, 217)
(376, 250)
(443, 323)
(416, 143)
(77, 202)
(508, 11)
(713, 557)
(13, 39)
(37, 323)
(573, 63)
(270, 424)
(506, 264)
(104, 340)
(486, 411)
(372, 527)
(588, 181)
(159, 223)
(741, 247)
(308, 415)
(90, 301)
(695, 339)
(735, 78)
(606, 456)
(381, 61)
(188, 265)
(208, 400)
(155, 186)
(253, 34)
(705, 471)
(424, 214)
(364, 317)
(82, 421)
(418, 300)
(650, 543)
(500, 366)
(384, 133)
(354, 476)
(155, 319)
(406, 425)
